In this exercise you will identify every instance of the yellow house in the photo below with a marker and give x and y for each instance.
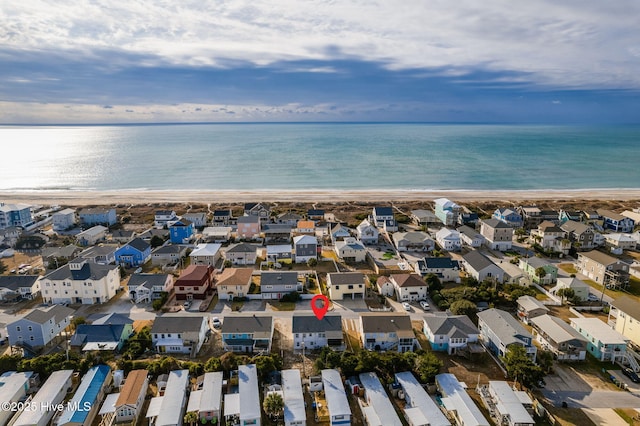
(624, 317)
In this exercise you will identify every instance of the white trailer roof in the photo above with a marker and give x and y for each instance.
(248, 386)
(379, 400)
(335, 394)
(294, 410)
(420, 399)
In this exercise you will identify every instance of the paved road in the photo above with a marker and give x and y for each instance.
(593, 399)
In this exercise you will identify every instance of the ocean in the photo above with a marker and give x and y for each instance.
(319, 156)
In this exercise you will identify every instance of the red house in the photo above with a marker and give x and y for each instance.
(195, 282)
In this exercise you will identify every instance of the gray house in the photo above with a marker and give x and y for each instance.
(481, 267)
(305, 248)
(39, 327)
(274, 285)
(14, 287)
(247, 333)
(499, 330)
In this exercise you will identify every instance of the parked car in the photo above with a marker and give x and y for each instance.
(406, 306)
(215, 321)
(424, 305)
(631, 374)
(593, 298)
(187, 304)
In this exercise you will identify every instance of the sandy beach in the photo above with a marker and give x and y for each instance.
(241, 196)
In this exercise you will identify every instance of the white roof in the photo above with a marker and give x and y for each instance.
(446, 233)
(508, 402)
(294, 410)
(334, 393)
(445, 203)
(231, 404)
(173, 399)
(248, 386)
(11, 383)
(600, 330)
(556, 329)
(100, 346)
(64, 212)
(305, 239)
(420, 400)
(206, 250)
(571, 282)
(457, 399)
(154, 406)
(194, 401)
(211, 392)
(279, 248)
(109, 404)
(216, 230)
(619, 237)
(379, 400)
(49, 394)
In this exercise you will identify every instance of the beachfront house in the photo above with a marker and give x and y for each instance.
(508, 216)
(317, 215)
(198, 219)
(480, 267)
(367, 233)
(133, 254)
(498, 234)
(181, 231)
(449, 239)
(559, 337)
(179, 334)
(342, 285)
(310, 333)
(92, 236)
(163, 218)
(97, 216)
(15, 215)
(615, 222)
(81, 281)
(222, 217)
(385, 331)
(499, 330)
(64, 219)
(603, 269)
(447, 211)
(423, 217)
(247, 333)
(384, 219)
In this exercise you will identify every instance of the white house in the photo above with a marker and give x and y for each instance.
(471, 237)
(481, 267)
(205, 254)
(337, 403)
(81, 281)
(147, 287)
(385, 286)
(14, 387)
(294, 405)
(310, 333)
(64, 219)
(179, 334)
(164, 218)
(199, 219)
(409, 287)
(448, 239)
(350, 250)
(376, 406)
(420, 409)
(346, 284)
(92, 236)
(242, 254)
(445, 268)
(385, 331)
(23, 286)
(250, 410)
(457, 401)
(51, 393)
(559, 337)
(367, 233)
(168, 409)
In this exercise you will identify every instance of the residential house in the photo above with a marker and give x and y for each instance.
(248, 228)
(206, 254)
(169, 254)
(153, 232)
(247, 333)
(81, 281)
(508, 406)
(367, 233)
(305, 248)
(529, 308)
(499, 330)
(39, 327)
(234, 282)
(450, 333)
(581, 235)
(534, 267)
(277, 233)
(294, 404)
(133, 254)
(222, 217)
(345, 284)
(128, 405)
(15, 287)
(376, 407)
(15, 215)
(350, 250)
(64, 219)
(206, 400)
(603, 269)
(56, 254)
(624, 317)
(97, 216)
(274, 284)
(557, 336)
(579, 287)
(508, 216)
(620, 242)
(14, 387)
(250, 413)
(424, 217)
(419, 408)
(122, 236)
(143, 288)
(445, 268)
(289, 218)
(92, 236)
(384, 219)
(179, 334)
(339, 232)
(181, 231)
(195, 282)
(9, 236)
(257, 209)
(198, 219)
(278, 252)
(305, 227)
(241, 254)
(103, 254)
(317, 215)
(569, 215)
(458, 403)
(449, 239)
(616, 222)
(603, 342)
(481, 267)
(339, 412)
(471, 237)
(216, 234)
(102, 337)
(469, 219)
(413, 241)
(409, 287)
(51, 394)
(551, 237)
(498, 234)
(384, 331)
(531, 216)
(632, 214)
(164, 218)
(447, 211)
(385, 287)
(168, 409)
(310, 333)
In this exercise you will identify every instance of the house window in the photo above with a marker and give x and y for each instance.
(29, 328)
(31, 338)
(18, 328)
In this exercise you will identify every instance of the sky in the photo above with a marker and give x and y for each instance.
(149, 61)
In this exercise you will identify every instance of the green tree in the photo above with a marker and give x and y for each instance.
(348, 363)
(156, 241)
(273, 405)
(312, 263)
(540, 273)
(191, 418)
(566, 293)
(213, 364)
(229, 361)
(426, 367)
(463, 307)
(433, 282)
(266, 364)
(545, 361)
(520, 367)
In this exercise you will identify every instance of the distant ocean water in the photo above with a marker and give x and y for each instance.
(319, 156)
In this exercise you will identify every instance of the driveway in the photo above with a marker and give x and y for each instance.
(593, 399)
(604, 417)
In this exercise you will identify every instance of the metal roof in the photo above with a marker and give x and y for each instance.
(249, 395)
(557, 330)
(507, 402)
(334, 393)
(87, 395)
(172, 405)
(455, 398)
(417, 398)
(51, 393)
(379, 400)
(294, 409)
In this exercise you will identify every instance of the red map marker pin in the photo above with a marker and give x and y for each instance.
(320, 311)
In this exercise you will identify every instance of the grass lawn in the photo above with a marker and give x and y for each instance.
(388, 256)
(236, 305)
(632, 291)
(283, 306)
(569, 268)
(570, 416)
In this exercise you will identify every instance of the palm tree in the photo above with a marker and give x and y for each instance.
(191, 418)
(273, 405)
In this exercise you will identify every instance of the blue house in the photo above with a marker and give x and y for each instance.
(247, 333)
(616, 222)
(508, 216)
(39, 327)
(450, 332)
(135, 253)
(499, 330)
(181, 231)
(105, 337)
